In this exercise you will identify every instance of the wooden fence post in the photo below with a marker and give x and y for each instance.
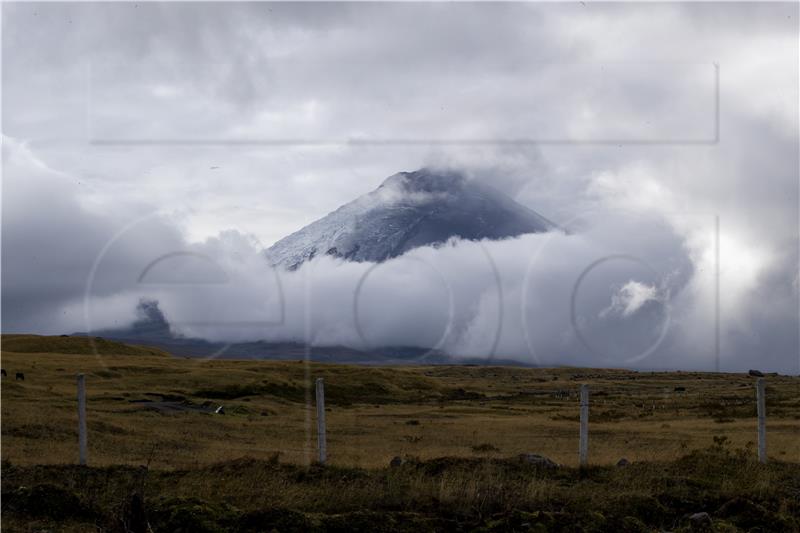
(82, 448)
(583, 449)
(762, 420)
(321, 420)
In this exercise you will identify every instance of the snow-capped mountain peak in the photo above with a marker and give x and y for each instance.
(408, 210)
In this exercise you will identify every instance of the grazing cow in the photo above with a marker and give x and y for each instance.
(20, 376)
(3, 372)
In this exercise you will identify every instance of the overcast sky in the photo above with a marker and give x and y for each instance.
(229, 126)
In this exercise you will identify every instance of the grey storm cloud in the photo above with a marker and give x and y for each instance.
(233, 124)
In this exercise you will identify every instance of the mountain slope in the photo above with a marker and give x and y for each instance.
(408, 210)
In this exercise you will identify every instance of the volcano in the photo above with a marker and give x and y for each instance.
(409, 210)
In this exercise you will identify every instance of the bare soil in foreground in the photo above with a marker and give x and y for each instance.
(161, 458)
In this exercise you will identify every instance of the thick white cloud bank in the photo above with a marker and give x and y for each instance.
(601, 295)
(674, 238)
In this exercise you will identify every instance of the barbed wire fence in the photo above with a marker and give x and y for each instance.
(582, 394)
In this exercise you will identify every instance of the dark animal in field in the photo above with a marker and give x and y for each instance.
(19, 377)
(3, 372)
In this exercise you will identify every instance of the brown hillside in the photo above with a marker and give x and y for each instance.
(72, 345)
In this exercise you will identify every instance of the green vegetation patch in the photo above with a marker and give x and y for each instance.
(234, 391)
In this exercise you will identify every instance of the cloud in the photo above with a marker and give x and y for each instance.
(486, 299)
(51, 241)
(630, 162)
(630, 298)
(541, 298)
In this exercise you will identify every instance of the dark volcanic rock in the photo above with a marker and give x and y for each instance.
(537, 460)
(700, 521)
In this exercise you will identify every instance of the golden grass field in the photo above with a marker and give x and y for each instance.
(158, 462)
(374, 413)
